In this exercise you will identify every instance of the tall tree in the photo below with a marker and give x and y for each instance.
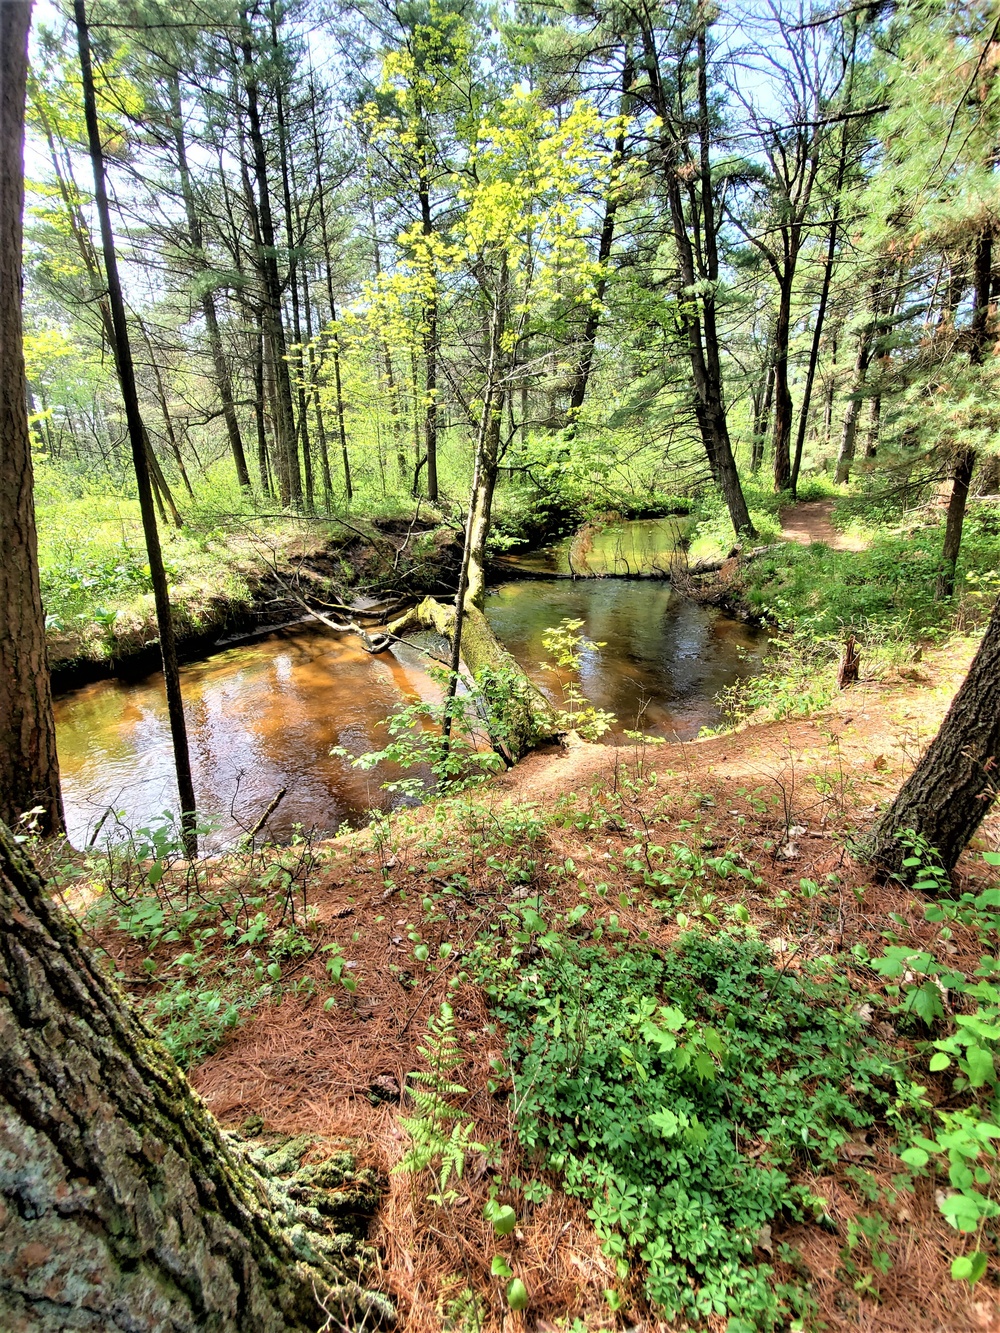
(29, 768)
(137, 439)
(675, 59)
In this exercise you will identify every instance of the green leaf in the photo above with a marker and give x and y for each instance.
(980, 1066)
(969, 1267)
(503, 1217)
(963, 1211)
(517, 1295)
(938, 1062)
(925, 1002)
(915, 1157)
(500, 1267)
(668, 1124)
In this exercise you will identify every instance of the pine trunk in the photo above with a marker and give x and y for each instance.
(961, 477)
(29, 770)
(950, 791)
(122, 1204)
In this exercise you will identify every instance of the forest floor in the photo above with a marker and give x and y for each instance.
(812, 521)
(785, 797)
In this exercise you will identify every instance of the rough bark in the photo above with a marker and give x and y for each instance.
(957, 501)
(523, 715)
(950, 791)
(29, 769)
(122, 1204)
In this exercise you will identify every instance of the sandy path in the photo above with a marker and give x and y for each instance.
(810, 521)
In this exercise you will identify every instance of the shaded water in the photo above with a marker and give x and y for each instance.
(265, 715)
(629, 548)
(666, 658)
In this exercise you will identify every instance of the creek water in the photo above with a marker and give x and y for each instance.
(265, 715)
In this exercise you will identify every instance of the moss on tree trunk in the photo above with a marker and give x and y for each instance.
(521, 715)
(123, 1206)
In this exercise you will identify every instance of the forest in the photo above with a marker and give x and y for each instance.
(499, 660)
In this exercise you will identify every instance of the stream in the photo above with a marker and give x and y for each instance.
(264, 715)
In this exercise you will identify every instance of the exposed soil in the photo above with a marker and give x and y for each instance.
(391, 559)
(338, 1072)
(810, 521)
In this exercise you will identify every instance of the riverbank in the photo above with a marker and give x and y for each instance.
(492, 903)
(233, 580)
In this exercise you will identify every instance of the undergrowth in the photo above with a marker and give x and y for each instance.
(677, 1091)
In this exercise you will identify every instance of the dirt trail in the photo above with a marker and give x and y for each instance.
(811, 521)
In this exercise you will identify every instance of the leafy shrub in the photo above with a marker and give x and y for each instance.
(675, 1091)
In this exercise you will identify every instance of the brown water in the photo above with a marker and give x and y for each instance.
(260, 717)
(264, 716)
(665, 659)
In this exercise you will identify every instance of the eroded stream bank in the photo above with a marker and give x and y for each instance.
(265, 715)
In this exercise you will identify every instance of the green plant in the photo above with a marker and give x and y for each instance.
(867, 1252)
(454, 762)
(440, 1133)
(568, 646)
(675, 1091)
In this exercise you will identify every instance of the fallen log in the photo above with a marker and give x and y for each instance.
(520, 716)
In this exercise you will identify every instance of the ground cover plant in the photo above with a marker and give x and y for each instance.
(673, 1091)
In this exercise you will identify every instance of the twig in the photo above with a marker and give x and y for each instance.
(272, 806)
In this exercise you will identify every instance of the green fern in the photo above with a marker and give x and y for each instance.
(440, 1133)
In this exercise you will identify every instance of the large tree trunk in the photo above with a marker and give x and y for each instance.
(122, 1204)
(29, 770)
(950, 791)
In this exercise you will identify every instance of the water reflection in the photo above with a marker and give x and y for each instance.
(260, 717)
(265, 716)
(666, 658)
